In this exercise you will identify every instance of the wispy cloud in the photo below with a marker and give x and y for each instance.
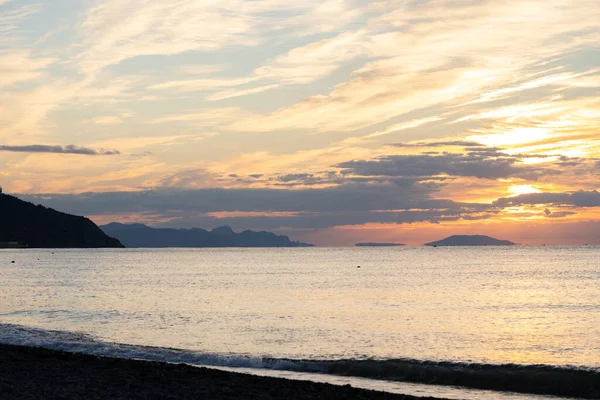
(202, 69)
(151, 27)
(316, 60)
(205, 117)
(11, 17)
(459, 143)
(20, 65)
(106, 120)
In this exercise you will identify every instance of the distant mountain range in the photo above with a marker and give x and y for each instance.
(371, 244)
(139, 235)
(25, 224)
(470, 240)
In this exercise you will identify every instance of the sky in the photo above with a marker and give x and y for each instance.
(331, 121)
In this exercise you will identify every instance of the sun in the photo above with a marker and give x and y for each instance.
(516, 190)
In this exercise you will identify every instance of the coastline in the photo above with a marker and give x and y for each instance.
(31, 372)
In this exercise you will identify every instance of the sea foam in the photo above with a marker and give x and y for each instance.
(536, 379)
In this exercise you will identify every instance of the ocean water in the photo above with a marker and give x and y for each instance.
(313, 309)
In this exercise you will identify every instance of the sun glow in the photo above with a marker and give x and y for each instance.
(516, 190)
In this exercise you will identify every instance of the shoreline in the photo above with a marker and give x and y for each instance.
(33, 373)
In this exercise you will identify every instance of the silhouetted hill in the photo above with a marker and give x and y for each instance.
(371, 244)
(470, 240)
(139, 235)
(38, 226)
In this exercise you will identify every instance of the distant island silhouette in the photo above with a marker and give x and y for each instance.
(23, 224)
(470, 240)
(372, 244)
(140, 235)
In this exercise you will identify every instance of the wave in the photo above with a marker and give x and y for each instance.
(535, 379)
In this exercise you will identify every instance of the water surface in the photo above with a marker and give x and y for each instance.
(495, 305)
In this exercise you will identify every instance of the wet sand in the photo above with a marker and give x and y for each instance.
(34, 373)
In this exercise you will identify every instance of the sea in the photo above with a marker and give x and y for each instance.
(416, 320)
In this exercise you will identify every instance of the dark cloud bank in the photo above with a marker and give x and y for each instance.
(69, 149)
(483, 163)
(578, 199)
(390, 189)
(349, 204)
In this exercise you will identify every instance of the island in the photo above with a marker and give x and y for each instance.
(24, 224)
(140, 235)
(371, 244)
(470, 240)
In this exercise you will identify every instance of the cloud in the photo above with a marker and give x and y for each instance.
(559, 126)
(349, 204)
(301, 65)
(294, 177)
(166, 27)
(549, 80)
(18, 63)
(459, 143)
(228, 94)
(315, 60)
(204, 69)
(203, 84)
(579, 199)
(329, 219)
(205, 117)
(18, 66)
(483, 163)
(106, 120)
(144, 154)
(10, 18)
(443, 53)
(349, 197)
(369, 98)
(136, 143)
(69, 149)
(559, 214)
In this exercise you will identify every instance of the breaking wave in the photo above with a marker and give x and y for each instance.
(535, 379)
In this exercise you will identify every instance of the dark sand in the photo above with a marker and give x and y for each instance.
(34, 373)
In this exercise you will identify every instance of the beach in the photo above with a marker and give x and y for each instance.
(34, 373)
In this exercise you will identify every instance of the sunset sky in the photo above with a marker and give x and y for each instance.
(331, 121)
